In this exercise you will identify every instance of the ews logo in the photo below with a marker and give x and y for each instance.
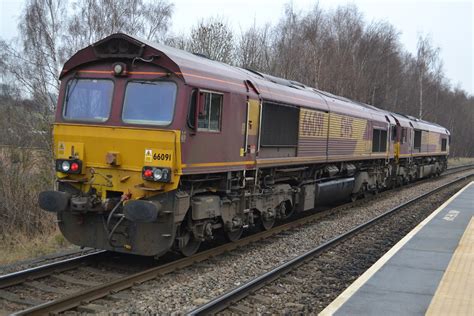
(312, 123)
(346, 126)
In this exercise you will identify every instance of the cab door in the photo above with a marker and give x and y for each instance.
(390, 139)
(393, 147)
(251, 141)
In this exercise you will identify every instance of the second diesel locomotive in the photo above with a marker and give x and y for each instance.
(159, 149)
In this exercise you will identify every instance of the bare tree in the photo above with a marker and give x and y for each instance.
(180, 41)
(253, 49)
(214, 39)
(426, 57)
(315, 36)
(48, 36)
(288, 45)
(95, 19)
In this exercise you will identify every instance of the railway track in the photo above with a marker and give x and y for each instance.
(31, 274)
(35, 286)
(300, 267)
(102, 290)
(95, 290)
(454, 169)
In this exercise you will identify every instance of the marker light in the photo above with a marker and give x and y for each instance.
(65, 166)
(148, 173)
(74, 166)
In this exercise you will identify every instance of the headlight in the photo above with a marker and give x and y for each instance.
(65, 166)
(156, 174)
(118, 69)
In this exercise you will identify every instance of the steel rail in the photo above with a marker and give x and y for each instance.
(87, 295)
(19, 277)
(460, 166)
(93, 293)
(465, 166)
(227, 299)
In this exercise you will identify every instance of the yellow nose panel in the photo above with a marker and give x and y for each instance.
(70, 150)
(113, 157)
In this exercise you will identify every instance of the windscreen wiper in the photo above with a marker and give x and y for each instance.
(72, 87)
(145, 82)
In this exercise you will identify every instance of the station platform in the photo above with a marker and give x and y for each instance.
(429, 272)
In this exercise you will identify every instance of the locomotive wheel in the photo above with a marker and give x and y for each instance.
(233, 235)
(188, 245)
(267, 223)
(286, 209)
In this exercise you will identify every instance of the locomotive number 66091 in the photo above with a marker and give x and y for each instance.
(165, 157)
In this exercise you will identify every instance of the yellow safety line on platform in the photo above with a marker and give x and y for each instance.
(455, 293)
(354, 287)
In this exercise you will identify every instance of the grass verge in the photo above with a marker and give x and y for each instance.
(19, 247)
(458, 161)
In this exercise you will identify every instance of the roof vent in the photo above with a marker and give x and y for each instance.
(118, 45)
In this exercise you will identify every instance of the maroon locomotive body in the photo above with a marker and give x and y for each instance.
(160, 149)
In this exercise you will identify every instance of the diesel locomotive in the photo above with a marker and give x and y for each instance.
(158, 149)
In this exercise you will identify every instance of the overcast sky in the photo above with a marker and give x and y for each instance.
(448, 22)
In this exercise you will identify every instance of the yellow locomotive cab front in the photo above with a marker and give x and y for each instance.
(118, 164)
(117, 190)
(114, 159)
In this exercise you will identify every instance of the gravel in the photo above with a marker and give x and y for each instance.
(188, 288)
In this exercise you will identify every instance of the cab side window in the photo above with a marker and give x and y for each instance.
(417, 140)
(210, 109)
(444, 144)
(379, 140)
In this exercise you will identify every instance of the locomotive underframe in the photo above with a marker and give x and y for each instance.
(233, 201)
(277, 192)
